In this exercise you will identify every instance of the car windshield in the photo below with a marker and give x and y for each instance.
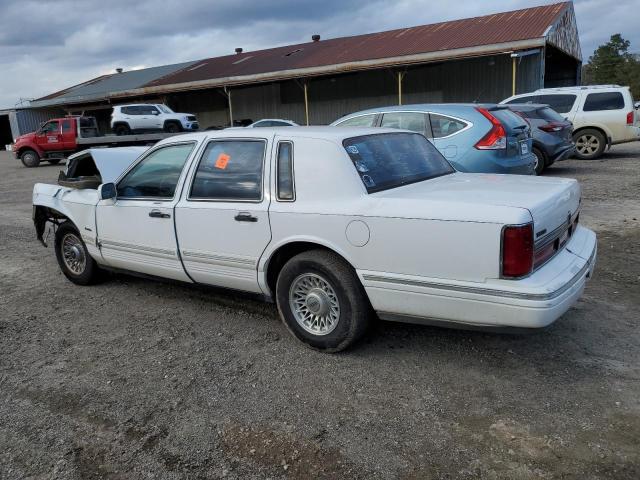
(164, 109)
(389, 160)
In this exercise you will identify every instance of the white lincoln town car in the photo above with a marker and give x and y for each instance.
(333, 224)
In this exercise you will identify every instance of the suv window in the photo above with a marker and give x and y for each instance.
(560, 103)
(230, 170)
(284, 185)
(414, 121)
(389, 160)
(157, 175)
(603, 101)
(443, 126)
(361, 121)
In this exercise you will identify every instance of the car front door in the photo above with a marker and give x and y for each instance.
(136, 230)
(49, 137)
(222, 220)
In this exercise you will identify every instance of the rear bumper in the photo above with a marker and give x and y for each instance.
(534, 302)
(562, 154)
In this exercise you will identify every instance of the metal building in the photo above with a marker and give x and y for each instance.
(482, 59)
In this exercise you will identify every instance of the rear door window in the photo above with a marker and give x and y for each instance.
(414, 121)
(560, 103)
(444, 126)
(603, 101)
(360, 121)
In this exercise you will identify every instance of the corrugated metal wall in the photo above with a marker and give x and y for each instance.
(28, 120)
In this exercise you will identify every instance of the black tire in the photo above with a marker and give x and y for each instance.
(122, 129)
(172, 127)
(30, 158)
(541, 160)
(590, 144)
(90, 273)
(54, 161)
(354, 314)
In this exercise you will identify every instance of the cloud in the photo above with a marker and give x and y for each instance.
(49, 45)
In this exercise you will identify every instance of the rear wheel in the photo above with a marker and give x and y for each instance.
(540, 160)
(122, 129)
(73, 258)
(30, 158)
(590, 144)
(321, 301)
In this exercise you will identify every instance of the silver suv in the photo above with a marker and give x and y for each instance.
(602, 115)
(127, 119)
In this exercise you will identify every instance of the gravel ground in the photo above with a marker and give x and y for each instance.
(139, 379)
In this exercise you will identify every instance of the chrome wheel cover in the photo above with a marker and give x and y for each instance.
(587, 144)
(73, 254)
(314, 304)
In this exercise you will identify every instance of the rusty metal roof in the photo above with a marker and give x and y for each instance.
(499, 28)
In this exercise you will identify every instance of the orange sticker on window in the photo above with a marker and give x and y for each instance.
(222, 161)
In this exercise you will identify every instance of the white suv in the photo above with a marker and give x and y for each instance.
(602, 115)
(126, 119)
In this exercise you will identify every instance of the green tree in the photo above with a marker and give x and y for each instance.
(612, 63)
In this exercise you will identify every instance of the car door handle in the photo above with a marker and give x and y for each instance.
(245, 217)
(158, 214)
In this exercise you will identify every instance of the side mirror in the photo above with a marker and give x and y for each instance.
(107, 191)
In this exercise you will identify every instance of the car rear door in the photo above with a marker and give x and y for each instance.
(607, 109)
(136, 230)
(222, 220)
(69, 133)
(448, 135)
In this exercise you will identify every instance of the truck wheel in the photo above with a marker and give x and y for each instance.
(590, 144)
(172, 127)
(30, 158)
(541, 161)
(54, 161)
(73, 258)
(321, 301)
(122, 129)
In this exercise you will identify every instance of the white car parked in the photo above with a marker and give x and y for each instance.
(602, 115)
(272, 122)
(126, 119)
(332, 224)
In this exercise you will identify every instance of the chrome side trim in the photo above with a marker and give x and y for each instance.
(199, 257)
(481, 290)
(141, 249)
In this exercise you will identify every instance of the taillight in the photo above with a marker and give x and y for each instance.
(551, 127)
(496, 138)
(630, 118)
(517, 250)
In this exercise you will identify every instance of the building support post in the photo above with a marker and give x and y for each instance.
(513, 80)
(306, 102)
(400, 78)
(228, 94)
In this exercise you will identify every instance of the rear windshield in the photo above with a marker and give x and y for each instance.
(549, 114)
(389, 160)
(510, 120)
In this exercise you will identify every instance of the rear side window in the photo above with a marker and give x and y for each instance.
(414, 121)
(157, 175)
(443, 126)
(230, 170)
(284, 172)
(603, 101)
(361, 121)
(560, 103)
(66, 126)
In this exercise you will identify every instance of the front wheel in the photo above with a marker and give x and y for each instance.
(73, 258)
(172, 127)
(321, 301)
(30, 158)
(590, 144)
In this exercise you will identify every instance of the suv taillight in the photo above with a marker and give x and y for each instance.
(496, 138)
(551, 127)
(517, 250)
(630, 118)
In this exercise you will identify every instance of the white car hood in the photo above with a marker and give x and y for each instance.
(549, 200)
(110, 162)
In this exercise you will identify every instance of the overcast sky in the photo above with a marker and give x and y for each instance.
(49, 45)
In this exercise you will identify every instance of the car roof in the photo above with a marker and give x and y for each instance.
(451, 108)
(335, 134)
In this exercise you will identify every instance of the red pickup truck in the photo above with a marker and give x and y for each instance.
(58, 138)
